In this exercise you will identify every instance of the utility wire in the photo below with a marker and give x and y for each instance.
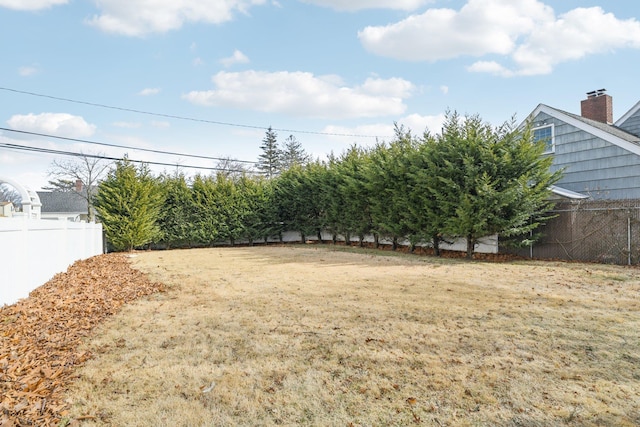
(121, 146)
(96, 156)
(171, 116)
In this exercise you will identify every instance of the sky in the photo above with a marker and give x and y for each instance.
(207, 78)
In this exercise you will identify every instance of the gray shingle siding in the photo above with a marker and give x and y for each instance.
(632, 124)
(592, 163)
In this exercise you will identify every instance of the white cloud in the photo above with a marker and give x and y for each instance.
(527, 32)
(197, 62)
(160, 124)
(385, 131)
(140, 17)
(58, 124)
(418, 124)
(237, 58)
(574, 35)
(31, 4)
(491, 67)
(305, 95)
(149, 91)
(444, 89)
(353, 5)
(480, 27)
(27, 71)
(127, 125)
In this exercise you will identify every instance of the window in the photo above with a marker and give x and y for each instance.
(545, 134)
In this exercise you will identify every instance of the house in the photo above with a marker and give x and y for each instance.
(600, 158)
(6, 209)
(65, 205)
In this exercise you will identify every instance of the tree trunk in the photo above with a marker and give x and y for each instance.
(347, 239)
(376, 240)
(361, 240)
(436, 245)
(334, 237)
(303, 237)
(319, 236)
(394, 243)
(470, 246)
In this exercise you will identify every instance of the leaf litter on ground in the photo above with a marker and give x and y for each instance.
(40, 336)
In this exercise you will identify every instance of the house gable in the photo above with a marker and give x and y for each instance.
(630, 122)
(597, 158)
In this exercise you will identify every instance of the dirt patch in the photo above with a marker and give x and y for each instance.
(322, 335)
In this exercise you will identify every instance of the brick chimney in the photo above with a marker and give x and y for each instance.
(79, 185)
(598, 106)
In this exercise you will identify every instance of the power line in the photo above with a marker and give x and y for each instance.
(102, 157)
(121, 146)
(171, 116)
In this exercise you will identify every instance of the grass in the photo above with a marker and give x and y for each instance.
(308, 335)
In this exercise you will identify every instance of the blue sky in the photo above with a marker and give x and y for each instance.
(315, 69)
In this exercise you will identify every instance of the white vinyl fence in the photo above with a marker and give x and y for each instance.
(32, 251)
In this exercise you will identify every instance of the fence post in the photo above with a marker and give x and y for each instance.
(629, 239)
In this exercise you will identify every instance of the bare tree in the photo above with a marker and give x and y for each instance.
(232, 168)
(81, 174)
(10, 194)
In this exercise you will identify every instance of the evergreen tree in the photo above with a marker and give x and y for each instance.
(301, 199)
(293, 154)
(128, 204)
(388, 183)
(259, 216)
(207, 223)
(425, 214)
(269, 159)
(177, 215)
(491, 181)
(60, 185)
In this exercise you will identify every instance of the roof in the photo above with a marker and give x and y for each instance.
(568, 194)
(609, 133)
(628, 114)
(62, 201)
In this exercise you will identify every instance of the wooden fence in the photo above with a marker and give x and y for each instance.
(604, 231)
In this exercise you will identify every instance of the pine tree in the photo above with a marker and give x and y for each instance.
(128, 204)
(293, 154)
(492, 181)
(178, 213)
(269, 160)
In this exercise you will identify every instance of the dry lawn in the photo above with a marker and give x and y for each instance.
(317, 335)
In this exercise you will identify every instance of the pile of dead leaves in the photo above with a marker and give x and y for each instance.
(40, 335)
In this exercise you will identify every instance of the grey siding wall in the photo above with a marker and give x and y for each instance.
(591, 165)
(632, 124)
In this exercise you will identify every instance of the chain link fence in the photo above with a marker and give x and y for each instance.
(604, 231)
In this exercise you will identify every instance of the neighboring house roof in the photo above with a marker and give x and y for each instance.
(609, 133)
(62, 202)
